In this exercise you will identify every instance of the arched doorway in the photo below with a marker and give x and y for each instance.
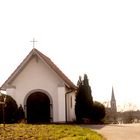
(38, 108)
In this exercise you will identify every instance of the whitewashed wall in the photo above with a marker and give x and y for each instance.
(71, 107)
(61, 104)
(36, 75)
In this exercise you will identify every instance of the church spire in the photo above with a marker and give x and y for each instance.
(113, 101)
(113, 96)
(113, 107)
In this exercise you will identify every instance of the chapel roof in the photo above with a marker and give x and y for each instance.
(47, 61)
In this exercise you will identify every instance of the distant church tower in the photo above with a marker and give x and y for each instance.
(113, 102)
(113, 107)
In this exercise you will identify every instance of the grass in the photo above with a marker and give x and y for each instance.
(47, 132)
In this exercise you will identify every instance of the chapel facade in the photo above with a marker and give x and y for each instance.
(45, 92)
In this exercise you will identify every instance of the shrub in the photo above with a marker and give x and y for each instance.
(10, 110)
(98, 112)
(21, 114)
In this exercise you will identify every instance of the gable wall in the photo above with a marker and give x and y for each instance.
(36, 75)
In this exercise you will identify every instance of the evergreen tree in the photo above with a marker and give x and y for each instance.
(88, 91)
(84, 101)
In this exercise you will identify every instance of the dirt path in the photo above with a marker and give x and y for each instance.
(118, 132)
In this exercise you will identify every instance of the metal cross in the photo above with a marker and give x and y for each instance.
(34, 41)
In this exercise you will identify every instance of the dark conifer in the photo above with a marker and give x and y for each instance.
(84, 102)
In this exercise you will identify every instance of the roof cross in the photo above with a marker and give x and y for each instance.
(33, 41)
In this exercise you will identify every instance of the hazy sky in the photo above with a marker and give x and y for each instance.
(100, 38)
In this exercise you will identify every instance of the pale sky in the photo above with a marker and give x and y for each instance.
(100, 38)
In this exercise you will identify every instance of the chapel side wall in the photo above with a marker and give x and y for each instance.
(71, 107)
(36, 75)
(61, 104)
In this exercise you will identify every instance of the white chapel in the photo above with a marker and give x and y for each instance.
(44, 91)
